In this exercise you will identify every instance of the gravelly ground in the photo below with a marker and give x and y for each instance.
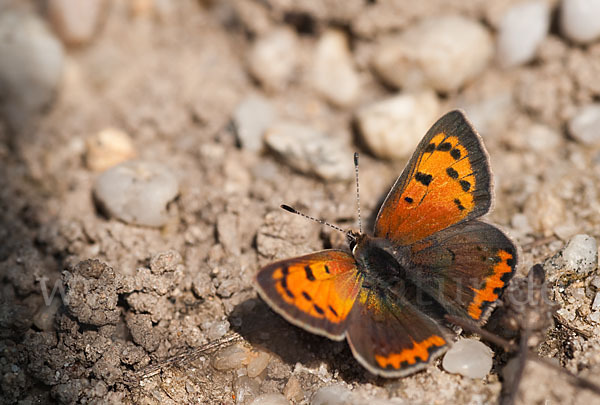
(130, 297)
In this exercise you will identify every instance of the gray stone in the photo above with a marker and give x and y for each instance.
(585, 125)
(270, 399)
(31, 65)
(251, 118)
(137, 192)
(522, 29)
(76, 21)
(392, 128)
(333, 73)
(310, 151)
(273, 58)
(440, 52)
(579, 20)
(581, 254)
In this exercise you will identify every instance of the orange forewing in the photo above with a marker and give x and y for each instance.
(447, 181)
(315, 291)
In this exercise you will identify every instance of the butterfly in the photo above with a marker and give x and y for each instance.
(429, 256)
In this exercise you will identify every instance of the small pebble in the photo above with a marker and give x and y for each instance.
(594, 317)
(137, 192)
(228, 233)
(581, 254)
(579, 20)
(76, 21)
(333, 395)
(441, 52)
(583, 127)
(251, 118)
(293, 390)
(310, 151)
(541, 138)
(245, 389)
(595, 282)
(202, 285)
(108, 148)
(31, 66)
(522, 29)
(273, 58)
(333, 72)
(545, 211)
(231, 358)
(215, 330)
(45, 316)
(393, 127)
(270, 399)
(258, 364)
(596, 302)
(469, 358)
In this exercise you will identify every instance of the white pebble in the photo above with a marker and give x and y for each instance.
(75, 21)
(258, 364)
(270, 399)
(108, 148)
(273, 58)
(522, 28)
(441, 52)
(31, 65)
(215, 329)
(581, 254)
(596, 302)
(332, 395)
(310, 151)
(393, 127)
(468, 357)
(594, 316)
(579, 20)
(541, 138)
(584, 125)
(230, 358)
(251, 118)
(137, 192)
(333, 72)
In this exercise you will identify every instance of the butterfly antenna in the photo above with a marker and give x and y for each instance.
(322, 222)
(357, 190)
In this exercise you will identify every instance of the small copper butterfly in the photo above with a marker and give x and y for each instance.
(429, 256)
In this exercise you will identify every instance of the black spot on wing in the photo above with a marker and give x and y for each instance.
(452, 173)
(309, 273)
(333, 311)
(408, 200)
(318, 309)
(459, 204)
(284, 285)
(444, 146)
(466, 186)
(327, 269)
(430, 148)
(423, 178)
(306, 296)
(455, 153)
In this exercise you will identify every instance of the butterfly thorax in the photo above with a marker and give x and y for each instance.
(379, 261)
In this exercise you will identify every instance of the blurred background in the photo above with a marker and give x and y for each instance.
(160, 136)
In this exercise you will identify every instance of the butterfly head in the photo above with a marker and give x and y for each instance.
(354, 238)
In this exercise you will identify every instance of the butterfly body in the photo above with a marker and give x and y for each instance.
(429, 256)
